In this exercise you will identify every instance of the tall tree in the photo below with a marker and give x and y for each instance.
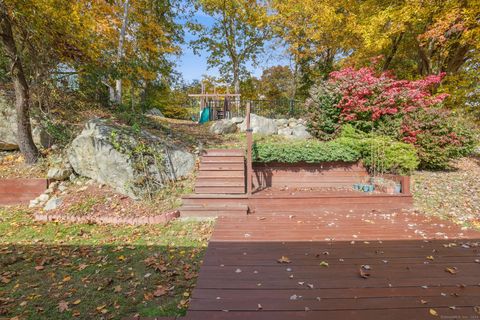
(22, 99)
(236, 37)
(121, 40)
(38, 37)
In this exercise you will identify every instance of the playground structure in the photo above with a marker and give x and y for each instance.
(216, 106)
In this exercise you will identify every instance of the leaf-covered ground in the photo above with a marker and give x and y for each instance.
(61, 271)
(453, 195)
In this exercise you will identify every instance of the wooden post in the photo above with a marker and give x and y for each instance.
(405, 184)
(249, 151)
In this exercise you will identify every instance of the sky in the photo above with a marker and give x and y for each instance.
(193, 66)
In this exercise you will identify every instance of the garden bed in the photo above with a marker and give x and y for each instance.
(321, 177)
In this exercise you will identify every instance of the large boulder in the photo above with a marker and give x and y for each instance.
(135, 164)
(8, 128)
(260, 125)
(237, 120)
(286, 132)
(223, 127)
(300, 132)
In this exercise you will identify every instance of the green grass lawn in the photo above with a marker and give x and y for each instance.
(61, 271)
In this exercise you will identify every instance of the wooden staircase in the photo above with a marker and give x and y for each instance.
(221, 174)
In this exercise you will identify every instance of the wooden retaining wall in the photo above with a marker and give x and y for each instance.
(20, 191)
(308, 175)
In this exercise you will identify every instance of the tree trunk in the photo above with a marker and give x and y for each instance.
(121, 40)
(236, 78)
(393, 51)
(22, 105)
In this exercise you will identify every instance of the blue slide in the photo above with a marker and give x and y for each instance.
(204, 116)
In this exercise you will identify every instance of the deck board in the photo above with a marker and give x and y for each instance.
(407, 253)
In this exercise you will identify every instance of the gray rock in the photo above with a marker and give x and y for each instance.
(52, 204)
(292, 124)
(237, 120)
(59, 173)
(41, 137)
(287, 132)
(43, 197)
(109, 154)
(223, 127)
(155, 112)
(62, 187)
(8, 125)
(282, 122)
(260, 125)
(301, 132)
(33, 203)
(8, 128)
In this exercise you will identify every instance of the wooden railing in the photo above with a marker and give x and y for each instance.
(249, 150)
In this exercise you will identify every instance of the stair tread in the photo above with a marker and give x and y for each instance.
(214, 207)
(224, 152)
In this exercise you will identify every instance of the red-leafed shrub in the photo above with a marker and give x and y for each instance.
(402, 109)
(367, 96)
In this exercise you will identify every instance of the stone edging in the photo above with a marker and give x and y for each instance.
(136, 221)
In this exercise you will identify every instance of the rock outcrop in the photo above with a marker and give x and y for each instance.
(135, 164)
(260, 125)
(289, 128)
(223, 127)
(8, 128)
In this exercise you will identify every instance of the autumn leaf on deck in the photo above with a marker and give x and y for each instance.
(284, 259)
(476, 309)
(451, 270)
(324, 264)
(433, 312)
(364, 274)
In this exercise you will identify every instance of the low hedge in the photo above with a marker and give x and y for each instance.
(351, 146)
(310, 151)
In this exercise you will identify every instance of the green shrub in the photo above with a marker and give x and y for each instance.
(439, 136)
(310, 151)
(324, 116)
(378, 153)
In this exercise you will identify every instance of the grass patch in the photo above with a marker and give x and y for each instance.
(82, 271)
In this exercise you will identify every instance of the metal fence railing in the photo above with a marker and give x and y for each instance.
(275, 109)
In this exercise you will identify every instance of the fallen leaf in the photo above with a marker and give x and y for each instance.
(451, 270)
(476, 309)
(324, 264)
(433, 312)
(284, 259)
(160, 291)
(364, 274)
(76, 302)
(63, 306)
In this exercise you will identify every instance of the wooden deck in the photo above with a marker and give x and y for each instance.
(338, 266)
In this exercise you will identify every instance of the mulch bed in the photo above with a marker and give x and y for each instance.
(100, 204)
